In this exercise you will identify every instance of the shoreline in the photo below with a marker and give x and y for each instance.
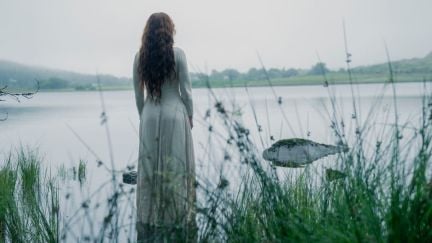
(253, 85)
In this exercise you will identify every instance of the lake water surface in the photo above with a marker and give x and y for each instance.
(66, 127)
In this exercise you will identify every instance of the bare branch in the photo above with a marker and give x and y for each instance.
(16, 95)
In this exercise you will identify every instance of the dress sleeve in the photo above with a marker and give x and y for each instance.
(139, 91)
(185, 82)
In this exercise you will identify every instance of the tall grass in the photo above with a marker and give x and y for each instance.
(384, 195)
(29, 203)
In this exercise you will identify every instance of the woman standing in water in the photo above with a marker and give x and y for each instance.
(166, 168)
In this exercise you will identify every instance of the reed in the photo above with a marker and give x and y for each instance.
(384, 195)
(29, 202)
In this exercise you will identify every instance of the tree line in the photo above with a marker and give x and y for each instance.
(16, 76)
(252, 74)
(421, 66)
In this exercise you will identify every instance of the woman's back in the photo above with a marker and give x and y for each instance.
(175, 88)
(166, 168)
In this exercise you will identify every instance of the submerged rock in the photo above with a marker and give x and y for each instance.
(130, 177)
(297, 152)
(332, 174)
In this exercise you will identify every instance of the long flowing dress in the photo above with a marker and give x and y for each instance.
(166, 169)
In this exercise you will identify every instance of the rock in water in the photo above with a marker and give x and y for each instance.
(130, 177)
(297, 152)
(332, 175)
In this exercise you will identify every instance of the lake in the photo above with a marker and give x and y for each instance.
(66, 127)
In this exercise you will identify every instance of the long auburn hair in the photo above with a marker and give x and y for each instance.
(156, 56)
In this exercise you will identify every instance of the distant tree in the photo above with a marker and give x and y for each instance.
(216, 75)
(230, 74)
(255, 74)
(290, 73)
(275, 73)
(202, 76)
(54, 83)
(82, 87)
(199, 79)
(318, 69)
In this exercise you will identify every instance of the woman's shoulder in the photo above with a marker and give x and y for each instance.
(136, 57)
(178, 49)
(179, 52)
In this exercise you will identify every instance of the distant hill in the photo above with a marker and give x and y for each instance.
(405, 66)
(16, 75)
(406, 70)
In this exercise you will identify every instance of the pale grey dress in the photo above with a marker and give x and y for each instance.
(166, 169)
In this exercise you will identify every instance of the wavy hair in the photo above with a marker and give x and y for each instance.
(156, 56)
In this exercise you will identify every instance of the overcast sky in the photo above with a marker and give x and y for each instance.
(102, 36)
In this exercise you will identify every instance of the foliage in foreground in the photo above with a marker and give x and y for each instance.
(29, 203)
(385, 196)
